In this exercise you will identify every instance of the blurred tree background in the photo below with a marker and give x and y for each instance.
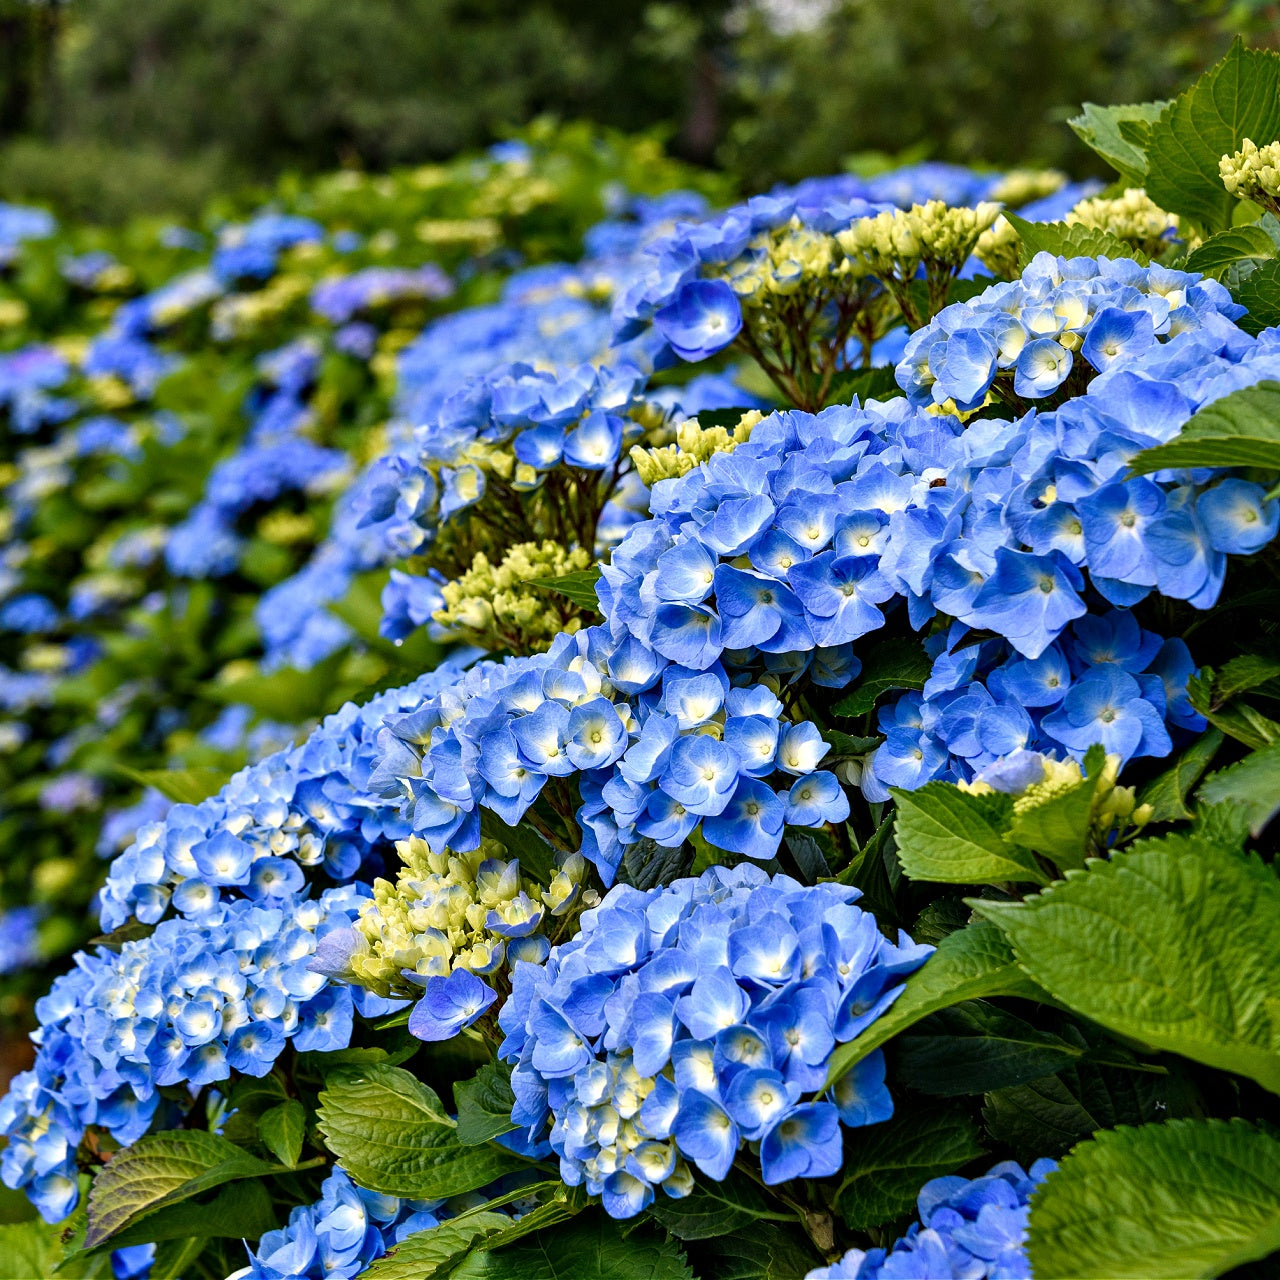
(111, 107)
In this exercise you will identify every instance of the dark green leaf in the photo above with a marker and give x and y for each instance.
(969, 964)
(1259, 293)
(537, 858)
(391, 1134)
(240, 1210)
(1248, 671)
(1167, 794)
(646, 864)
(1071, 240)
(808, 855)
(1238, 719)
(891, 664)
(1252, 786)
(281, 1129)
(1175, 944)
(484, 1104)
(160, 1170)
(952, 837)
(728, 418)
(1187, 1198)
(579, 587)
(1239, 247)
(1238, 98)
(716, 1209)
(977, 1047)
(886, 1164)
(183, 786)
(1100, 128)
(769, 1251)
(435, 1252)
(878, 383)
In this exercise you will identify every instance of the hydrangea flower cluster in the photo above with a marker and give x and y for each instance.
(969, 1229)
(189, 1004)
(683, 1023)
(1020, 339)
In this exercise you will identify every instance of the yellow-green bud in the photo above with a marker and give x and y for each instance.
(1133, 217)
(1253, 173)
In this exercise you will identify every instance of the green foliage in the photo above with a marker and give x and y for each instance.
(390, 1132)
(183, 786)
(578, 587)
(1252, 785)
(1173, 945)
(281, 1129)
(887, 665)
(484, 1105)
(1182, 1199)
(1070, 241)
(1167, 794)
(1240, 430)
(717, 1209)
(1233, 250)
(1119, 135)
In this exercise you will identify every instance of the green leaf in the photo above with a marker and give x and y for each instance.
(969, 964)
(878, 383)
(947, 835)
(1059, 827)
(1071, 240)
(183, 786)
(728, 418)
(29, 1250)
(391, 1134)
(886, 1164)
(1175, 944)
(484, 1104)
(174, 1257)
(1238, 98)
(1100, 129)
(1241, 721)
(537, 858)
(809, 858)
(240, 1210)
(766, 1252)
(1245, 246)
(891, 664)
(1252, 785)
(716, 1209)
(1240, 430)
(160, 1170)
(281, 1129)
(1248, 671)
(977, 1047)
(1167, 794)
(435, 1251)
(579, 587)
(1259, 293)
(592, 1247)
(1187, 1198)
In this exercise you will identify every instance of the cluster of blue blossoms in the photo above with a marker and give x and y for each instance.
(968, 1230)
(682, 1023)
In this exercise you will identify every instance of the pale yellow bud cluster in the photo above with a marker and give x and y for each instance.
(1021, 186)
(481, 234)
(241, 315)
(452, 911)
(1113, 811)
(496, 605)
(997, 249)
(783, 263)
(694, 444)
(1133, 217)
(1253, 173)
(287, 528)
(893, 244)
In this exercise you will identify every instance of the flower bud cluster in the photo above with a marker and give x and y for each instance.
(694, 445)
(969, 1229)
(691, 1020)
(1253, 173)
(1133, 217)
(893, 245)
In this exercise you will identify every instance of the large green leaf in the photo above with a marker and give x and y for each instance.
(435, 1252)
(1238, 98)
(1174, 945)
(1071, 240)
(1259, 294)
(1239, 248)
(281, 1130)
(391, 1134)
(1100, 128)
(948, 835)
(977, 1047)
(1240, 430)
(767, 1252)
(886, 1164)
(1253, 784)
(717, 1209)
(890, 664)
(160, 1170)
(579, 587)
(484, 1104)
(1187, 1198)
(238, 1211)
(970, 963)
(183, 786)
(1167, 793)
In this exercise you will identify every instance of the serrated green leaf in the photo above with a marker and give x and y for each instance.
(484, 1104)
(183, 786)
(579, 587)
(1238, 98)
(1259, 294)
(1100, 129)
(161, 1170)
(1167, 794)
(434, 1252)
(1252, 785)
(971, 963)
(888, 1163)
(285, 694)
(1241, 721)
(281, 1130)
(977, 1047)
(891, 664)
(1187, 1198)
(240, 1210)
(717, 1209)
(1071, 240)
(950, 836)
(1248, 245)
(1240, 430)
(391, 1134)
(1175, 944)
(1248, 671)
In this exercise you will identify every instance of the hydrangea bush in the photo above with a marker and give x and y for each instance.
(828, 832)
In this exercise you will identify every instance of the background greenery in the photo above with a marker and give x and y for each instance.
(112, 107)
